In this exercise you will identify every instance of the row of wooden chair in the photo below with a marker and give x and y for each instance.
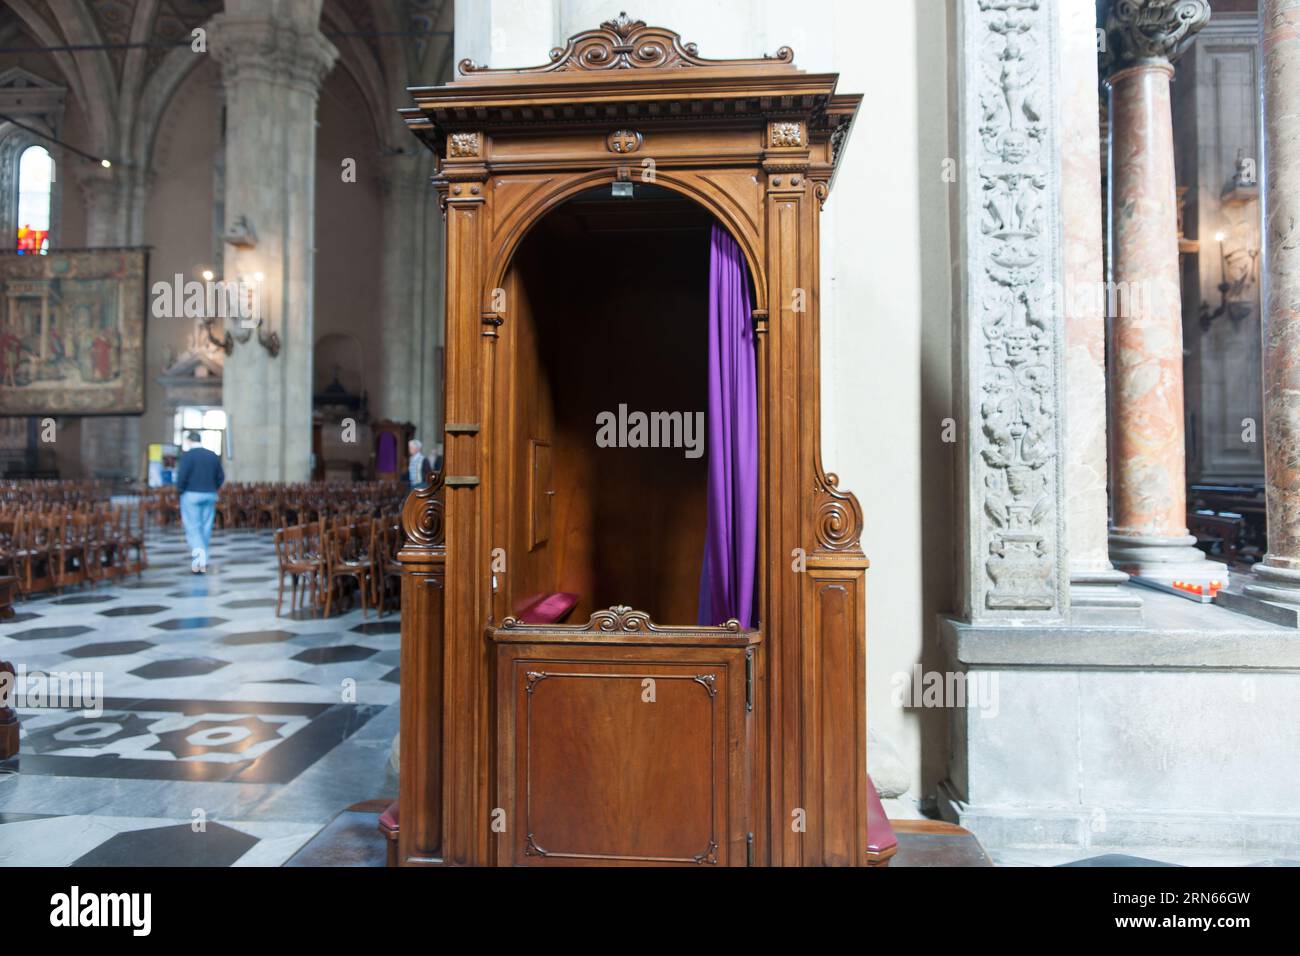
(54, 550)
(321, 557)
(49, 493)
(263, 505)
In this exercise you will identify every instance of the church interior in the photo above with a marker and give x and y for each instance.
(662, 438)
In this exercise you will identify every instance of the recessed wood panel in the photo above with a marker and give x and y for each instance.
(601, 745)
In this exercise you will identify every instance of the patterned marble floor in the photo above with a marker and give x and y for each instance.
(214, 712)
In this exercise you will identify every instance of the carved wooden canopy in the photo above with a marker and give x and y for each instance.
(627, 72)
(623, 44)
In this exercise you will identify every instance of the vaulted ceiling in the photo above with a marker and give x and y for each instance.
(123, 59)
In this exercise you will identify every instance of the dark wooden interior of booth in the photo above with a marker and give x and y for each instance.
(630, 736)
(609, 307)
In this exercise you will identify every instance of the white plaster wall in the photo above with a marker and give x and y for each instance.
(885, 285)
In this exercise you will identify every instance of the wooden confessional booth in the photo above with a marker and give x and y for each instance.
(579, 198)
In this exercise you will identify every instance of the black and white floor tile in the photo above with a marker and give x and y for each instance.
(225, 735)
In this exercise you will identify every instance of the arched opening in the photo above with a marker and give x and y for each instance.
(35, 183)
(606, 394)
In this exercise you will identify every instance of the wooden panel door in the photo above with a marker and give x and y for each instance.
(622, 756)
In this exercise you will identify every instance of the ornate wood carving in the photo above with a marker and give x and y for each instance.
(625, 44)
(423, 514)
(623, 141)
(460, 145)
(785, 134)
(1015, 328)
(837, 523)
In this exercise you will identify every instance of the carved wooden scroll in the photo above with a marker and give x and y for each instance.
(626, 44)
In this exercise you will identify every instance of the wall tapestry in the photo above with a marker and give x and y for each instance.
(72, 332)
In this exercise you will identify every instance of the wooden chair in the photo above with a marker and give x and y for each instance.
(346, 557)
(69, 535)
(300, 557)
(33, 554)
(102, 547)
(386, 542)
(10, 535)
(132, 541)
(270, 510)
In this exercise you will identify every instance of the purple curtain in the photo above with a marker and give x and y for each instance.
(730, 544)
(386, 453)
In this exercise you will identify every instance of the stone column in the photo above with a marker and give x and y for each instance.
(1277, 578)
(1148, 536)
(1094, 592)
(401, 181)
(273, 58)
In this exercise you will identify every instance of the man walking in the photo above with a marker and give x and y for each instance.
(198, 476)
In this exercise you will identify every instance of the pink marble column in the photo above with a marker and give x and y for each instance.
(1094, 590)
(1278, 576)
(1148, 535)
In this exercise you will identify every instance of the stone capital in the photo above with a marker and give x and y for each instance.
(270, 49)
(1151, 32)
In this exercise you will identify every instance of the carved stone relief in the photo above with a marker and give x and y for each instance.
(1013, 324)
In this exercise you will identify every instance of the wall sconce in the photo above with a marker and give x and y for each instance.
(248, 297)
(225, 343)
(1236, 277)
(252, 285)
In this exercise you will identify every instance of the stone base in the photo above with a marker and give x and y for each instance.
(1182, 732)
(1243, 601)
(1010, 827)
(1270, 583)
(1165, 560)
(1096, 597)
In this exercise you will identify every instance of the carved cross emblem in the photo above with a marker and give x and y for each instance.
(623, 141)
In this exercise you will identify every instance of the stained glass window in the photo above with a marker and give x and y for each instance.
(35, 171)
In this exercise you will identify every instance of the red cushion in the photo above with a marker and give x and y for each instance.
(880, 835)
(389, 818)
(546, 608)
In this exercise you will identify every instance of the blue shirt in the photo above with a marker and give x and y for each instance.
(199, 470)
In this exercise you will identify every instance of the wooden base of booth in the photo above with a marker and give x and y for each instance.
(373, 842)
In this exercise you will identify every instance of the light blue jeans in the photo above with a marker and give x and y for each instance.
(198, 508)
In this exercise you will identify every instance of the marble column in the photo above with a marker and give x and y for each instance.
(273, 58)
(1148, 535)
(1277, 577)
(1094, 591)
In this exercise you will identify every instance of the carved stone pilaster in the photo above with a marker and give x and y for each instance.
(1012, 335)
(1151, 31)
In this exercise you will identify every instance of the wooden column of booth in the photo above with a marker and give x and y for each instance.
(755, 143)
